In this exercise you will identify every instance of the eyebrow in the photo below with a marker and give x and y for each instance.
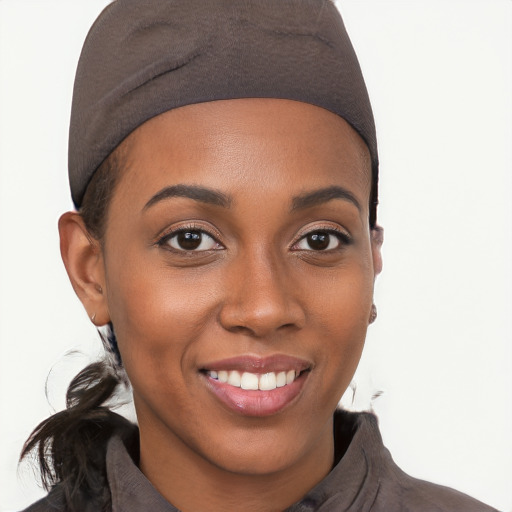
(323, 195)
(195, 192)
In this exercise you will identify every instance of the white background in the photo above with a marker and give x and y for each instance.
(440, 78)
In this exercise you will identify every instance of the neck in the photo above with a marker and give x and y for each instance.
(191, 482)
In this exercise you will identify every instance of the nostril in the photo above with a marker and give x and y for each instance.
(240, 329)
(261, 310)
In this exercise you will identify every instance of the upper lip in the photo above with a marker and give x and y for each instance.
(255, 364)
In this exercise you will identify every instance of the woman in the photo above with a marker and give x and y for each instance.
(226, 314)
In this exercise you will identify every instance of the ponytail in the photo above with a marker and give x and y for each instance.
(71, 445)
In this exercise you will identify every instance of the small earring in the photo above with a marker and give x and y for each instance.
(99, 289)
(373, 314)
(93, 317)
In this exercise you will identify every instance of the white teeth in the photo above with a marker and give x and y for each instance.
(268, 381)
(234, 379)
(249, 381)
(254, 381)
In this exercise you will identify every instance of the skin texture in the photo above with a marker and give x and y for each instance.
(258, 289)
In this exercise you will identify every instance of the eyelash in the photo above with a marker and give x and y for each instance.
(169, 235)
(343, 238)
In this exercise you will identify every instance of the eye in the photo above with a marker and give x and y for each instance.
(191, 240)
(321, 240)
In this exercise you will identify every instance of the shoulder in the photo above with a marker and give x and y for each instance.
(367, 478)
(418, 495)
(396, 490)
(56, 501)
(53, 502)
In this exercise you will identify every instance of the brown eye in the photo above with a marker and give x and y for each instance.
(319, 241)
(192, 240)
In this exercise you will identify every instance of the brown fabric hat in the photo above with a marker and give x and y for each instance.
(144, 57)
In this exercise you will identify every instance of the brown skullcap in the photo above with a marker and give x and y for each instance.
(144, 57)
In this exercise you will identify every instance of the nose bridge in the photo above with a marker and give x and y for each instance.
(260, 297)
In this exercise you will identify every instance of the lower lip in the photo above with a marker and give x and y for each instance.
(255, 402)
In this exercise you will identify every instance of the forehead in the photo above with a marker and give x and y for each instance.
(263, 144)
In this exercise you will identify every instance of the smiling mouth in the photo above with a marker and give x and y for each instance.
(254, 381)
(257, 386)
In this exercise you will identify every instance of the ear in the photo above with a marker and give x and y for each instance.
(377, 238)
(83, 258)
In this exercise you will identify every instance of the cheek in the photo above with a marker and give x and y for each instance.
(340, 320)
(157, 313)
(159, 316)
(342, 300)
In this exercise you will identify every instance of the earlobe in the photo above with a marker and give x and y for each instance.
(83, 258)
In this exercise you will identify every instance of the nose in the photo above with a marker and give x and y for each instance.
(260, 299)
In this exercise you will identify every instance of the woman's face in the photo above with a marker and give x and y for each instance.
(238, 248)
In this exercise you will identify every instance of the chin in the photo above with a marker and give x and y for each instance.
(266, 449)
(259, 459)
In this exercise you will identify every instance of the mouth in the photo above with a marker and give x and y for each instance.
(257, 386)
(254, 381)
